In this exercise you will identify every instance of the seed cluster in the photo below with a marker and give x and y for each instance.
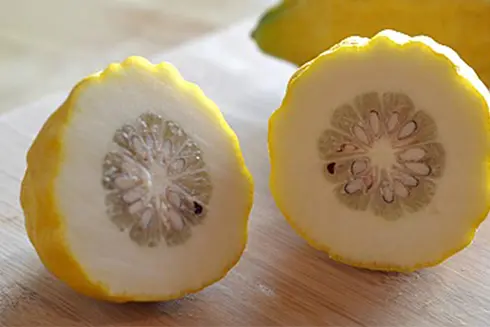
(156, 181)
(389, 184)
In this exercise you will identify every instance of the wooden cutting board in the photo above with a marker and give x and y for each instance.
(280, 280)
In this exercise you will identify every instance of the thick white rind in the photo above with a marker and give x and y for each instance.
(108, 255)
(307, 198)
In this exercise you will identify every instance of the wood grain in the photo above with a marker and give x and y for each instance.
(47, 45)
(280, 280)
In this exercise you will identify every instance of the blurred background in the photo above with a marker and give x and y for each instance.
(47, 45)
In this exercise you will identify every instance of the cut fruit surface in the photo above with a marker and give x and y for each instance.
(380, 152)
(297, 30)
(136, 188)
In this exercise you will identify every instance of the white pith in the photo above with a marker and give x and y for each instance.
(106, 254)
(360, 236)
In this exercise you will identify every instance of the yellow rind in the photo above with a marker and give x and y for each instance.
(297, 31)
(45, 224)
(462, 71)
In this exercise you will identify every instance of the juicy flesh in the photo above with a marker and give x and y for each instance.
(158, 186)
(382, 153)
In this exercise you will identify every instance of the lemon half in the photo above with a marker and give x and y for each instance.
(136, 188)
(380, 152)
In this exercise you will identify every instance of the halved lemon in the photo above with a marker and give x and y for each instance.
(380, 152)
(136, 188)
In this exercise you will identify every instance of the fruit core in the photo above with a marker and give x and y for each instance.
(156, 180)
(382, 154)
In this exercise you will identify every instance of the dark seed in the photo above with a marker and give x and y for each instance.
(331, 168)
(197, 208)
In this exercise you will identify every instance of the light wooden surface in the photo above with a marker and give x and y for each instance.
(49, 44)
(280, 280)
